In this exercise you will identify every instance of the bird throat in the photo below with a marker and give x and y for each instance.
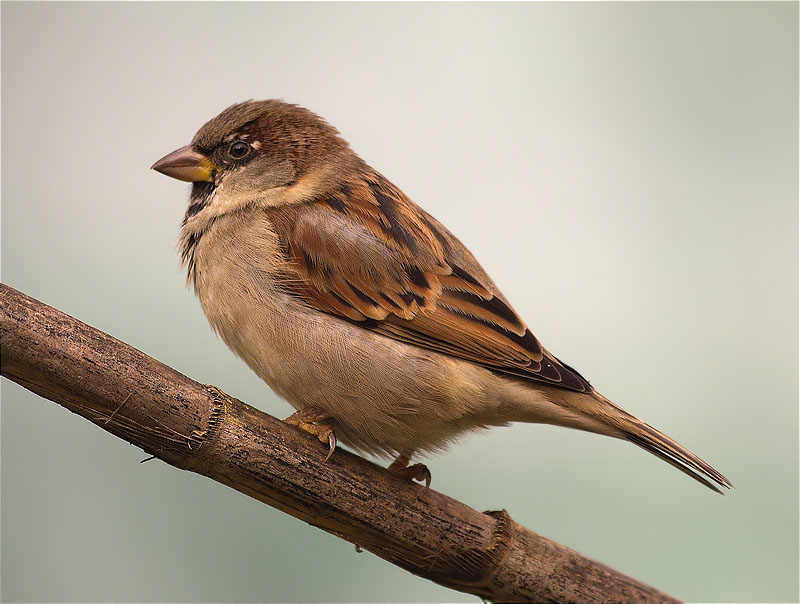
(201, 195)
(200, 198)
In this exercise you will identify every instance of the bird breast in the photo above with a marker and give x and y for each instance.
(385, 396)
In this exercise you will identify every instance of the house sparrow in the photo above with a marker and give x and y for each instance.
(361, 309)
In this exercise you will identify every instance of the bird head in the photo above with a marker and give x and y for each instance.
(254, 151)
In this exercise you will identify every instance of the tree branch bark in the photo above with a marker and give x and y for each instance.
(199, 428)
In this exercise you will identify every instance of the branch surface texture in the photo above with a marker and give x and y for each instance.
(199, 428)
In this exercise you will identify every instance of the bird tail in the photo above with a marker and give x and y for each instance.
(592, 412)
(660, 445)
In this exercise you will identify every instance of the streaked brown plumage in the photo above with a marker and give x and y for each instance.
(360, 308)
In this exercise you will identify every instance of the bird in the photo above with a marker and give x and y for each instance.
(360, 309)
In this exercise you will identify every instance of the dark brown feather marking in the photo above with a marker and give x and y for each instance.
(417, 277)
(409, 297)
(187, 256)
(462, 274)
(428, 221)
(390, 220)
(494, 309)
(392, 303)
(361, 295)
(335, 203)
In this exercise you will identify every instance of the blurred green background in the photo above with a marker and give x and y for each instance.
(627, 173)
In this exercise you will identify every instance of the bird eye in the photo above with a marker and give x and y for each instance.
(238, 150)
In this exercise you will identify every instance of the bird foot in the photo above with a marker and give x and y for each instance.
(305, 418)
(418, 471)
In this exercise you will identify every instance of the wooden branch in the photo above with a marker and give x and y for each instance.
(199, 428)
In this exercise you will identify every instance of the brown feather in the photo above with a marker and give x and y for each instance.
(375, 258)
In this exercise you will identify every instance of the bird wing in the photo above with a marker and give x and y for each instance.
(368, 254)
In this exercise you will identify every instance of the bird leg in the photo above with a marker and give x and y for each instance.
(418, 471)
(305, 418)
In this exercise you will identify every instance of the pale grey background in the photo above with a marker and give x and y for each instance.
(626, 172)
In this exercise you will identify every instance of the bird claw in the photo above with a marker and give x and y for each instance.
(418, 471)
(304, 419)
(331, 443)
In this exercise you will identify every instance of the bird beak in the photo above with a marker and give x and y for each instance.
(185, 164)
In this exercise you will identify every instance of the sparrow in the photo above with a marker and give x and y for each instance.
(358, 307)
